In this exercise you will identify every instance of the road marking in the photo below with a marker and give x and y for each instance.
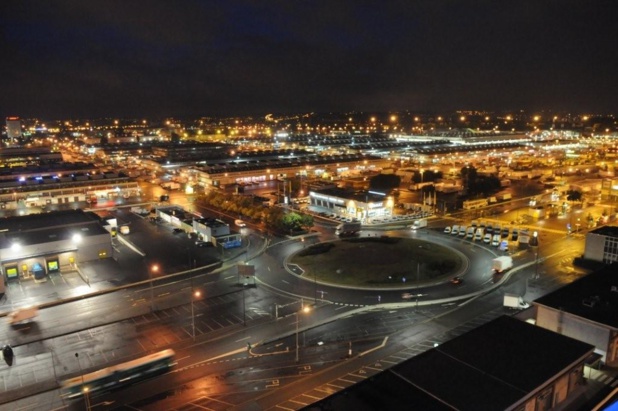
(275, 383)
(375, 348)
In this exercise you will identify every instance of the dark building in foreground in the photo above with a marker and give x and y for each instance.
(506, 364)
(586, 309)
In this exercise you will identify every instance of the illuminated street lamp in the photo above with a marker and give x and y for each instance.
(84, 389)
(194, 295)
(154, 269)
(304, 309)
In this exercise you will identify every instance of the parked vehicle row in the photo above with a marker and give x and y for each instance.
(493, 235)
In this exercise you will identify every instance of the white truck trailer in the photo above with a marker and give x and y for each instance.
(419, 224)
(514, 301)
(348, 228)
(501, 264)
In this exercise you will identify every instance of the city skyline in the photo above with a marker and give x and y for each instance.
(158, 59)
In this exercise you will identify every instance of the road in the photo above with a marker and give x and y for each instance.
(216, 370)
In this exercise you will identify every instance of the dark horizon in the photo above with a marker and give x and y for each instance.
(97, 59)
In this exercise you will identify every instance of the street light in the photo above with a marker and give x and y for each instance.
(84, 389)
(303, 309)
(154, 269)
(535, 243)
(194, 295)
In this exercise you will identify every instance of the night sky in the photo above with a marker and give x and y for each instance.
(145, 59)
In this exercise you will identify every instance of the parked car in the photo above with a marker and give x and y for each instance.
(455, 230)
(447, 229)
(178, 230)
(487, 238)
(495, 241)
(462, 230)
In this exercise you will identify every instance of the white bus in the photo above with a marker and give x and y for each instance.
(473, 204)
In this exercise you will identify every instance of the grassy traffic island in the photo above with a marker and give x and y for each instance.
(380, 262)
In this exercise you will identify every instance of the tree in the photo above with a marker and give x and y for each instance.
(469, 176)
(574, 195)
(384, 182)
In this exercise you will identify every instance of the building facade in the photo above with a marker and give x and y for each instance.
(602, 245)
(37, 245)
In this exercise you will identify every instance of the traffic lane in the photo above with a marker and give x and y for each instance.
(276, 276)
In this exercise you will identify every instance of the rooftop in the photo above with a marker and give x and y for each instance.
(593, 297)
(606, 230)
(495, 366)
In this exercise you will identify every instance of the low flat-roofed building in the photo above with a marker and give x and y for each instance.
(506, 364)
(361, 205)
(602, 244)
(209, 228)
(36, 245)
(586, 309)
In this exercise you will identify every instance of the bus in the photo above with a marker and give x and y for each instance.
(472, 204)
(119, 375)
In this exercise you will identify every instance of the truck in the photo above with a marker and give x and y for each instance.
(22, 315)
(514, 301)
(170, 185)
(419, 224)
(348, 228)
(501, 264)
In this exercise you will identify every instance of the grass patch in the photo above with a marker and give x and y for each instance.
(377, 261)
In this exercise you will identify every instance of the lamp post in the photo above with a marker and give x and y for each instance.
(153, 271)
(535, 243)
(194, 295)
(84, 389)
(303, 309)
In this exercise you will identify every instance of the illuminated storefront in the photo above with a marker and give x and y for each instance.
(361, 205)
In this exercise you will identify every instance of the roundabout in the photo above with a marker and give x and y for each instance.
(378, 263)
(355, 271)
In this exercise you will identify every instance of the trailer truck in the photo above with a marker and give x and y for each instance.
(348, 228)
(419, 224)
(514, 301)
(501, 264)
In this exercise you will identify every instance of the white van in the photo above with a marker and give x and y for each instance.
(478, 236)
(455, 230)
(22, 315)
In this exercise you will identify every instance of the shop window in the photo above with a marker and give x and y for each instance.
(53, 265)
(12, 272)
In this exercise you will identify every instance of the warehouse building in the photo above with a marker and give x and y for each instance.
(37, 245)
